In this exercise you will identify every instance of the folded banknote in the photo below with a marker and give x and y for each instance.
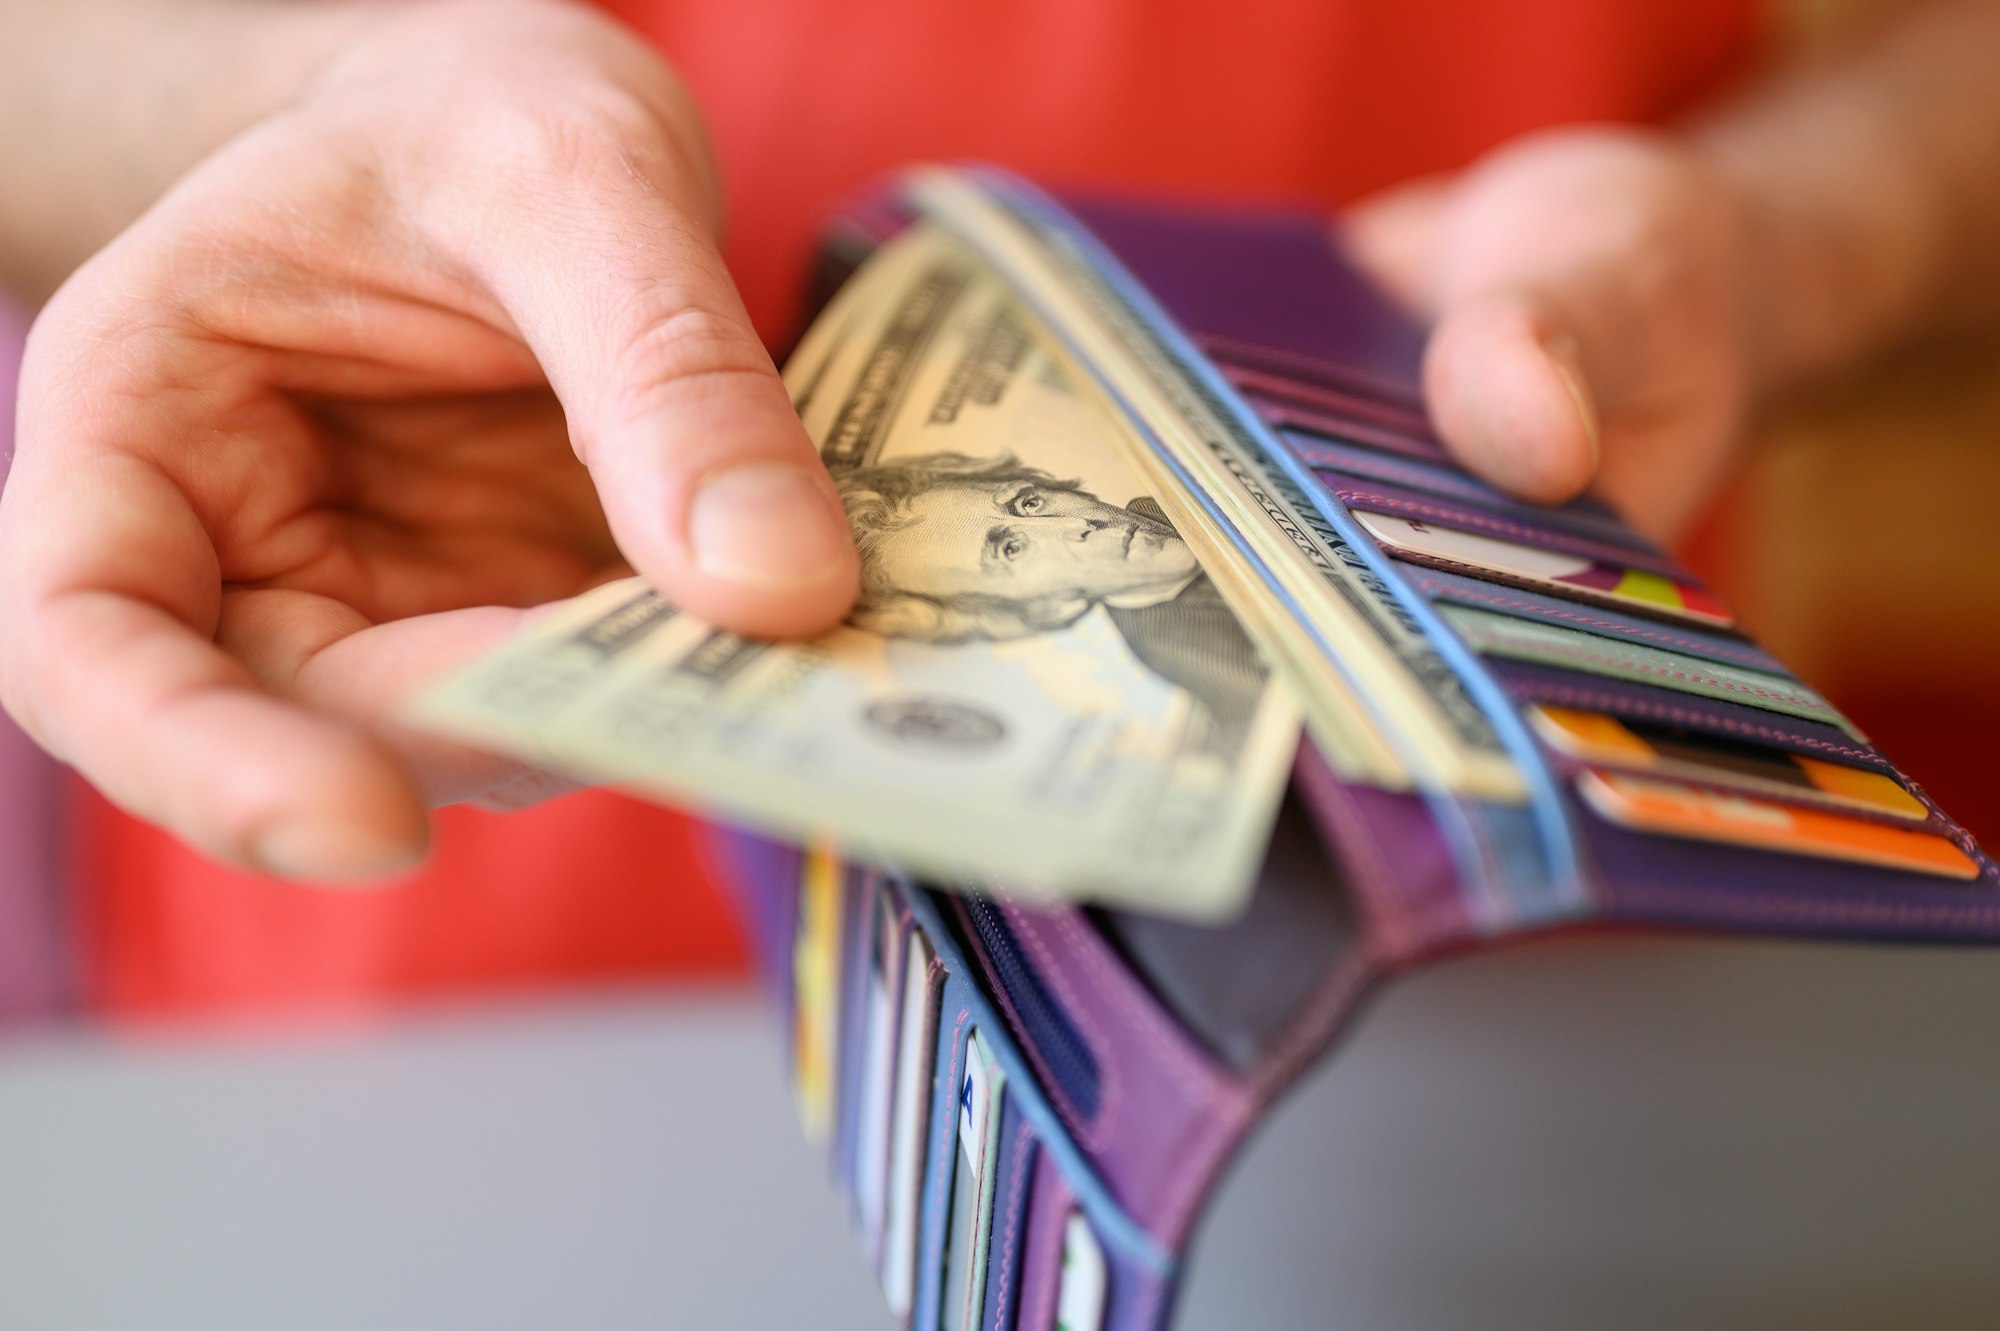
(1045, 686)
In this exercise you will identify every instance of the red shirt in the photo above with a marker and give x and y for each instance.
(1313, 100)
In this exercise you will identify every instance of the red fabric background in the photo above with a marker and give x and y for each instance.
(808, 99)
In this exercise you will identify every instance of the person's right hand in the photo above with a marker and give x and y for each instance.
(449, 332)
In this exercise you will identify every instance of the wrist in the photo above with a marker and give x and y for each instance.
(278, 50)
(1838, 250)
(116, 99)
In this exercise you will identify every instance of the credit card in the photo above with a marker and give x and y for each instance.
(816, 990)
(1670, 808)
(971, 1223)
(1610, 584)
(916, 1046)
(878, 1051)
(1080, 1296)
(1690, 755)
(1540, 642)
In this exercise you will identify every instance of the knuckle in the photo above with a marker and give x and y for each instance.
(590, 136)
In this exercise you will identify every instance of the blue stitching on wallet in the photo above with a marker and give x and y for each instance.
(1107, 1217)
(1465, 850)
(931, 1256)
(1558, 838)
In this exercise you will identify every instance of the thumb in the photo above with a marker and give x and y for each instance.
(1503, 374)
(1507, 394)
(712, 488)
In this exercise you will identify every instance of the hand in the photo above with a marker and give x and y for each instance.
(1588, 288)
(449, 332)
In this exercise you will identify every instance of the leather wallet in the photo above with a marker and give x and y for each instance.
(1127, 1057)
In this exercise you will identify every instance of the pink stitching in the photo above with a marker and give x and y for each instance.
(1576, 545)
(951, 1135)
(1765, 908)
(1440, 592)
(1392, 471)
(1347, 410)
(1050, 1184)
(1563, 695)
(1013, 1212)
(1335, 1004)
(1598, 658)
(1195, 1076)
(1280, 363)
(1367, 434)
(1354, 842)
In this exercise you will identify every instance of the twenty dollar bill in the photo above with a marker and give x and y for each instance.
(1040, 689)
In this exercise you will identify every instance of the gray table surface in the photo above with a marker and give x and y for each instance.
(1622, 1135)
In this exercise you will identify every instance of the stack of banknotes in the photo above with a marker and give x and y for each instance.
(1094, 615)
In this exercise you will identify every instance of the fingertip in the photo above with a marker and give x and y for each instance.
(362, 823)
(1507, 393)
(723, 504)
(311, 847)
(764, 549)
(770, 545)
(761, 546)
(765, 611)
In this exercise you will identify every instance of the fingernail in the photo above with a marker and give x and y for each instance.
(767, 525)
(307, 848)
(1564, 354)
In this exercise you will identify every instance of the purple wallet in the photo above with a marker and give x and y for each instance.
(1117, 1061)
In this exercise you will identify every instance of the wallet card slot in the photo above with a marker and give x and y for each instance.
(1726, 720)
(1522, 524)
(862, 893)
(954, 1028)
(1109, 1216)
(1578, 742)
(1050, 1204)
(877, 1016)
(1298, 368)
(819, 959)
(1292, 416)
(1007, 1247)
(1326, 453)
(1530, 682)
(1676, 881)
(909, 1126)
(1325, 399)
(1660, 592)
(1460, 589)
(1540, 642)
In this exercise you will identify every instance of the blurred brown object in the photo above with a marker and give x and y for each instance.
(1861, 542)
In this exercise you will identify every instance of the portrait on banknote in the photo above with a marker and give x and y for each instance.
(955, 547)
(1039, 685)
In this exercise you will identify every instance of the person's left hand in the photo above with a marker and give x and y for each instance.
(1592, 321)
